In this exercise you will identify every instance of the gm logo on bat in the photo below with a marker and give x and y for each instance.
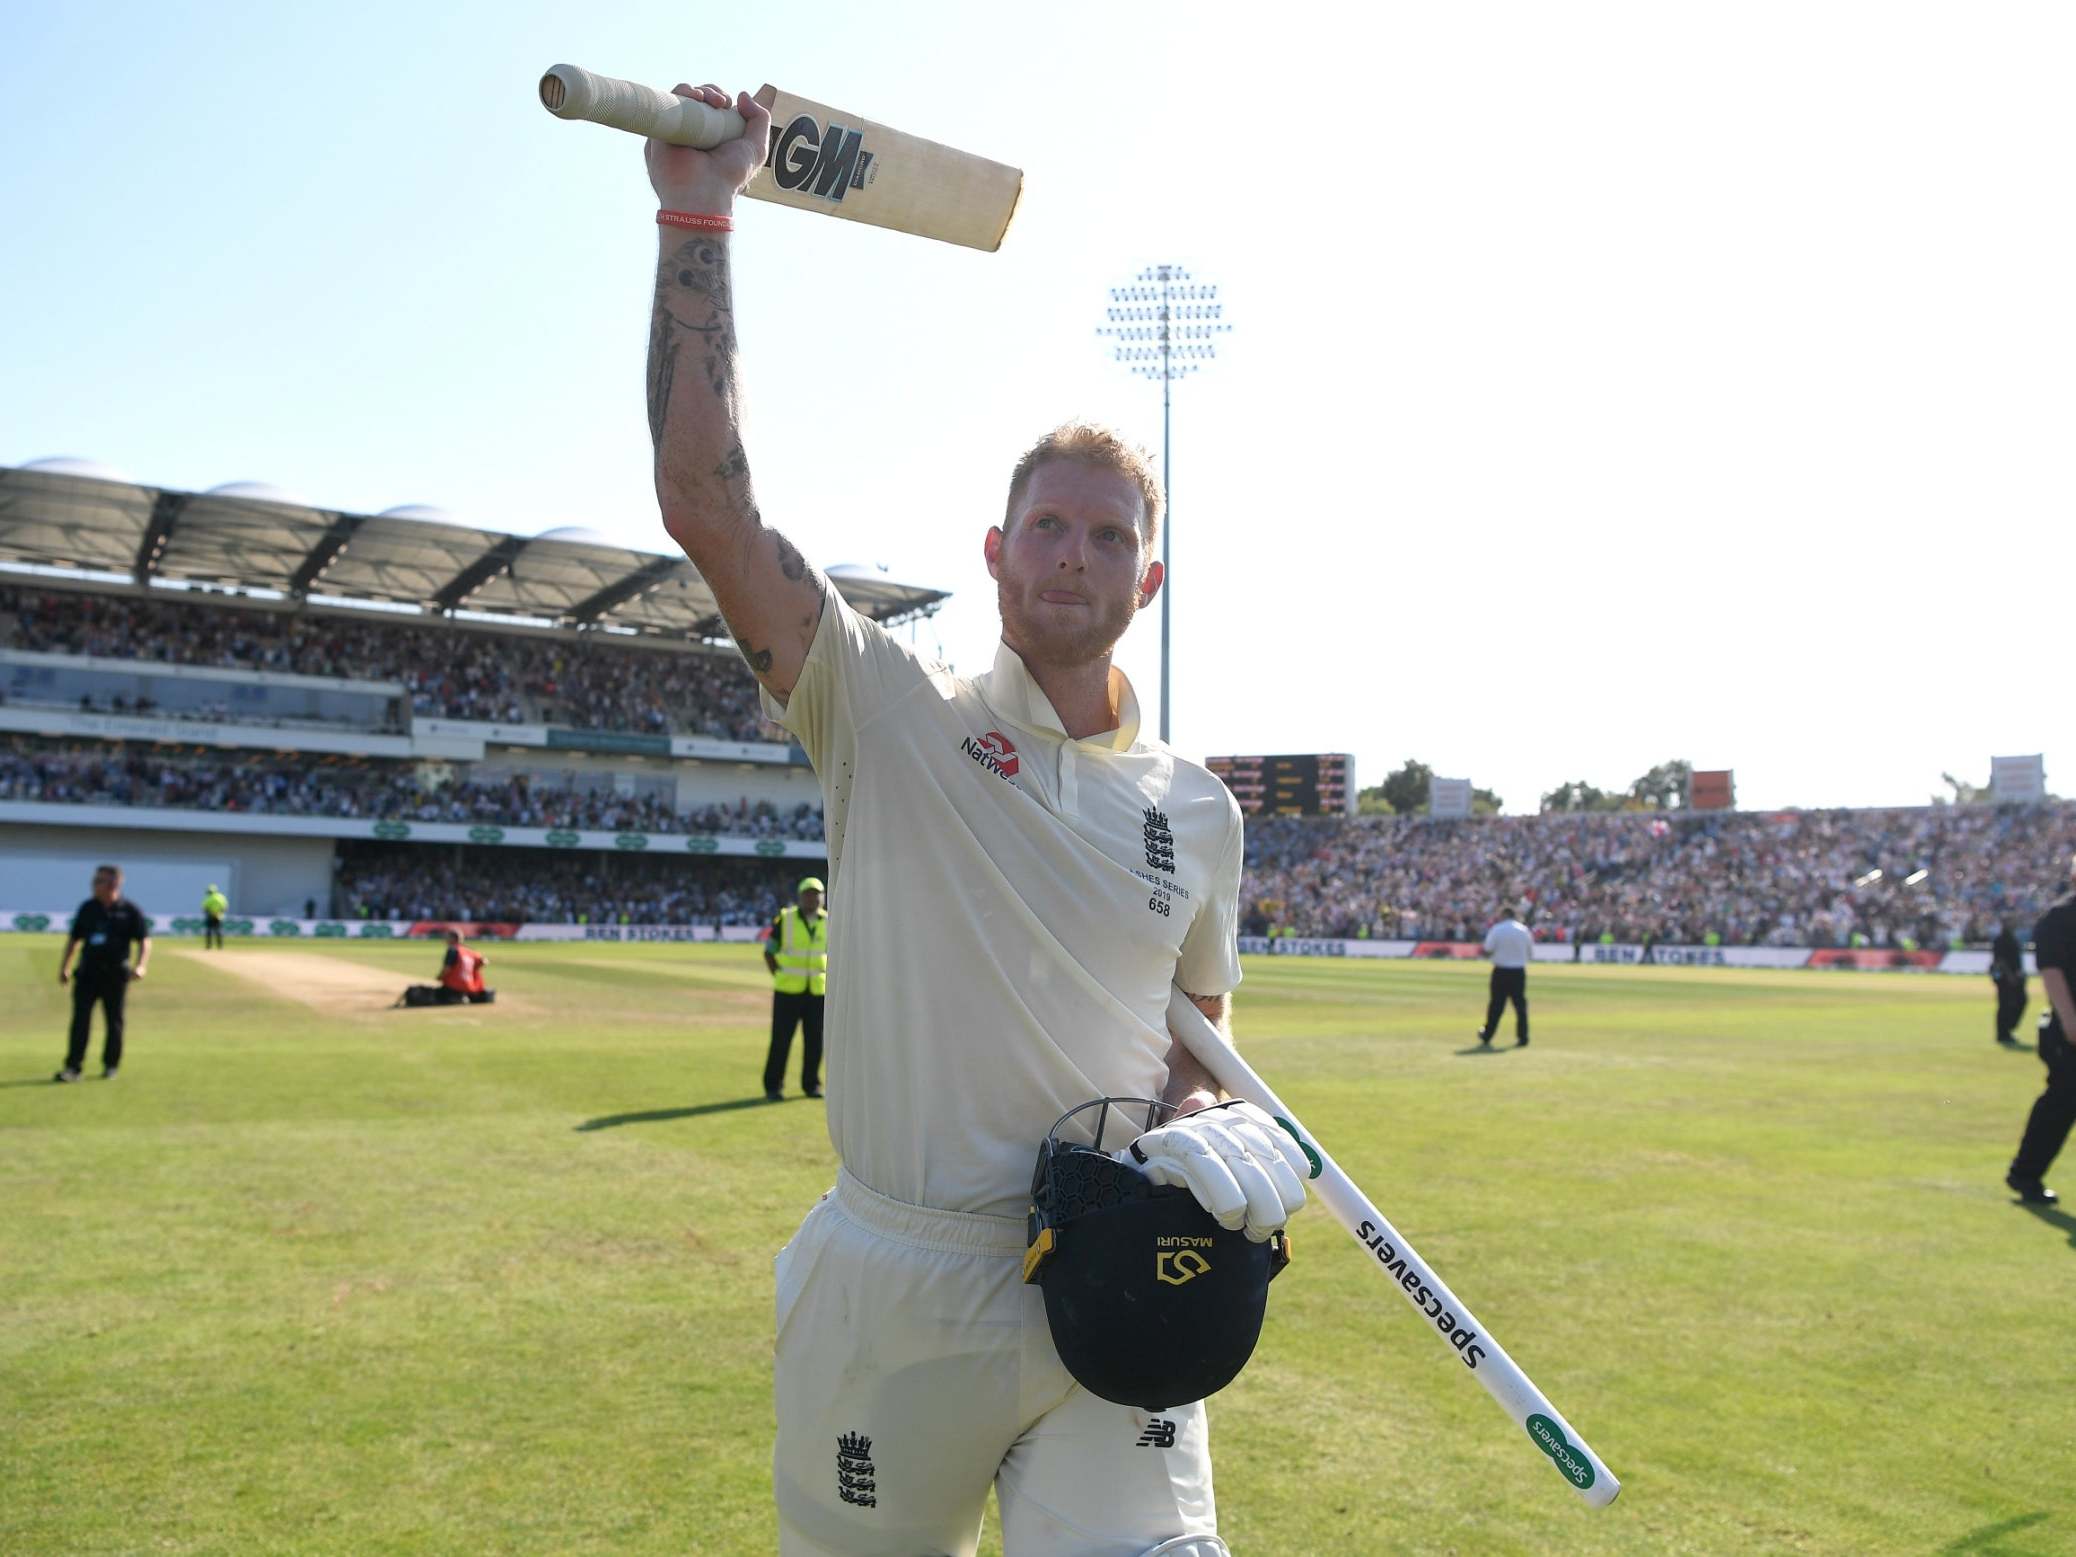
(811, 160)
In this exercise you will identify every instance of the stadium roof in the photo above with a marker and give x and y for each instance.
(245, 535)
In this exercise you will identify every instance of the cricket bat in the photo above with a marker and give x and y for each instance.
(1467, 1340)
(820, 159)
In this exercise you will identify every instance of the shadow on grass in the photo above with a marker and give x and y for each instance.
(664, 1115)
(2054, 1218)
(1989, 1537)
(29, 1081)
(1486, 1048)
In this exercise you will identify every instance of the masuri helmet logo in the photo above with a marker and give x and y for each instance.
(1176, 1266)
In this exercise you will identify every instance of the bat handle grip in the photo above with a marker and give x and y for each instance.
(571, 92)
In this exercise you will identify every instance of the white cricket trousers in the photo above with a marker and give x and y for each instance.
(915, 1368)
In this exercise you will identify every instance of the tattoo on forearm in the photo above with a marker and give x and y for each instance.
(734, 466)
(695, 313)
(702, 268)
(694, 298)
(759, 659)
(663, 367)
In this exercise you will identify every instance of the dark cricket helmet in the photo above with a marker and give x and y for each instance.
(1151, 1303)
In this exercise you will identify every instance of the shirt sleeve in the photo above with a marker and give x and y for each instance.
(1210, 960)
(79, 930)
(451, 958)
(1489, 937)
(2054, 939)
(854, 668)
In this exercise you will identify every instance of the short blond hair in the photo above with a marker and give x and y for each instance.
(1090, 443)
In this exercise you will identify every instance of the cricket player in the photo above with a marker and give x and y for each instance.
(1021, 876)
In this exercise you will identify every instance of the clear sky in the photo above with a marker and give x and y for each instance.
(1608, 383)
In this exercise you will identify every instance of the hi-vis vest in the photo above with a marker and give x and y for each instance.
(215, 903)
(802, 953)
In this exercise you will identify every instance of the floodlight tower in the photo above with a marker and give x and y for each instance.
(1164, 322)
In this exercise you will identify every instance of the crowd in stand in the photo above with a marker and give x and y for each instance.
(513, 677)
(521, 886)
(1927, 876)
(231, 783)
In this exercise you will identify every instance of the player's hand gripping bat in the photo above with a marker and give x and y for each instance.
(820, 159)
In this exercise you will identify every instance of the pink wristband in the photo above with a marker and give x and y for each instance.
(697, 219)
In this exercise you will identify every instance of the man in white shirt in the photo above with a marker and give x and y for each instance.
(1511, 948)
(1023, 876)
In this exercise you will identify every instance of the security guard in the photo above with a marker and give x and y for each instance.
(2054, 953)
(2008, 974)
(214, 906)
(797, 951)
(103, 931)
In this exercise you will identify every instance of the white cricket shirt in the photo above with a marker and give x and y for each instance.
(1008, 909)
(1510, 944)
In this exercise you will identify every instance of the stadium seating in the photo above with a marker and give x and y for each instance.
(297, 784)
(520, 886)
(1790, 878)
(1927, 876)
(451, 672)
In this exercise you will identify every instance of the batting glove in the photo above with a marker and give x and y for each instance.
(1240, 1164)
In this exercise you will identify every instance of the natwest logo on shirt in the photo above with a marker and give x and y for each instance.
(994, 751)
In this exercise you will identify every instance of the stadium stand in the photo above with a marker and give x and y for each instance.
(538, 886)
(1788, 878)
(396, 715)
(280, 784)
(449, 673)
(237, 685)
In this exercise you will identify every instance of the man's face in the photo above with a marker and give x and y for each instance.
(810, 902)
(107, 885)
(1070, 567)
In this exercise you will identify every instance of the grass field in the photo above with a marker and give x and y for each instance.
(316, 1277)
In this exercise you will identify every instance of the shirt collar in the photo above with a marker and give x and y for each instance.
(1010, 690)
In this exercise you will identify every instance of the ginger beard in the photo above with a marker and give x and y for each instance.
(1072, 568)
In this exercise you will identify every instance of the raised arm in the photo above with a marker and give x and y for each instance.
(769, 595)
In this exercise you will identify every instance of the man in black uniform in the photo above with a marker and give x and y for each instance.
(2054, 953)
(2008, 973)
(107, 925)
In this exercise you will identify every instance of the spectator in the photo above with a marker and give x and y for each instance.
(1791, 878)
(505, 885)
(288, 784)
(508, 676)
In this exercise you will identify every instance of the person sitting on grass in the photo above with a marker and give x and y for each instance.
(461, 979)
